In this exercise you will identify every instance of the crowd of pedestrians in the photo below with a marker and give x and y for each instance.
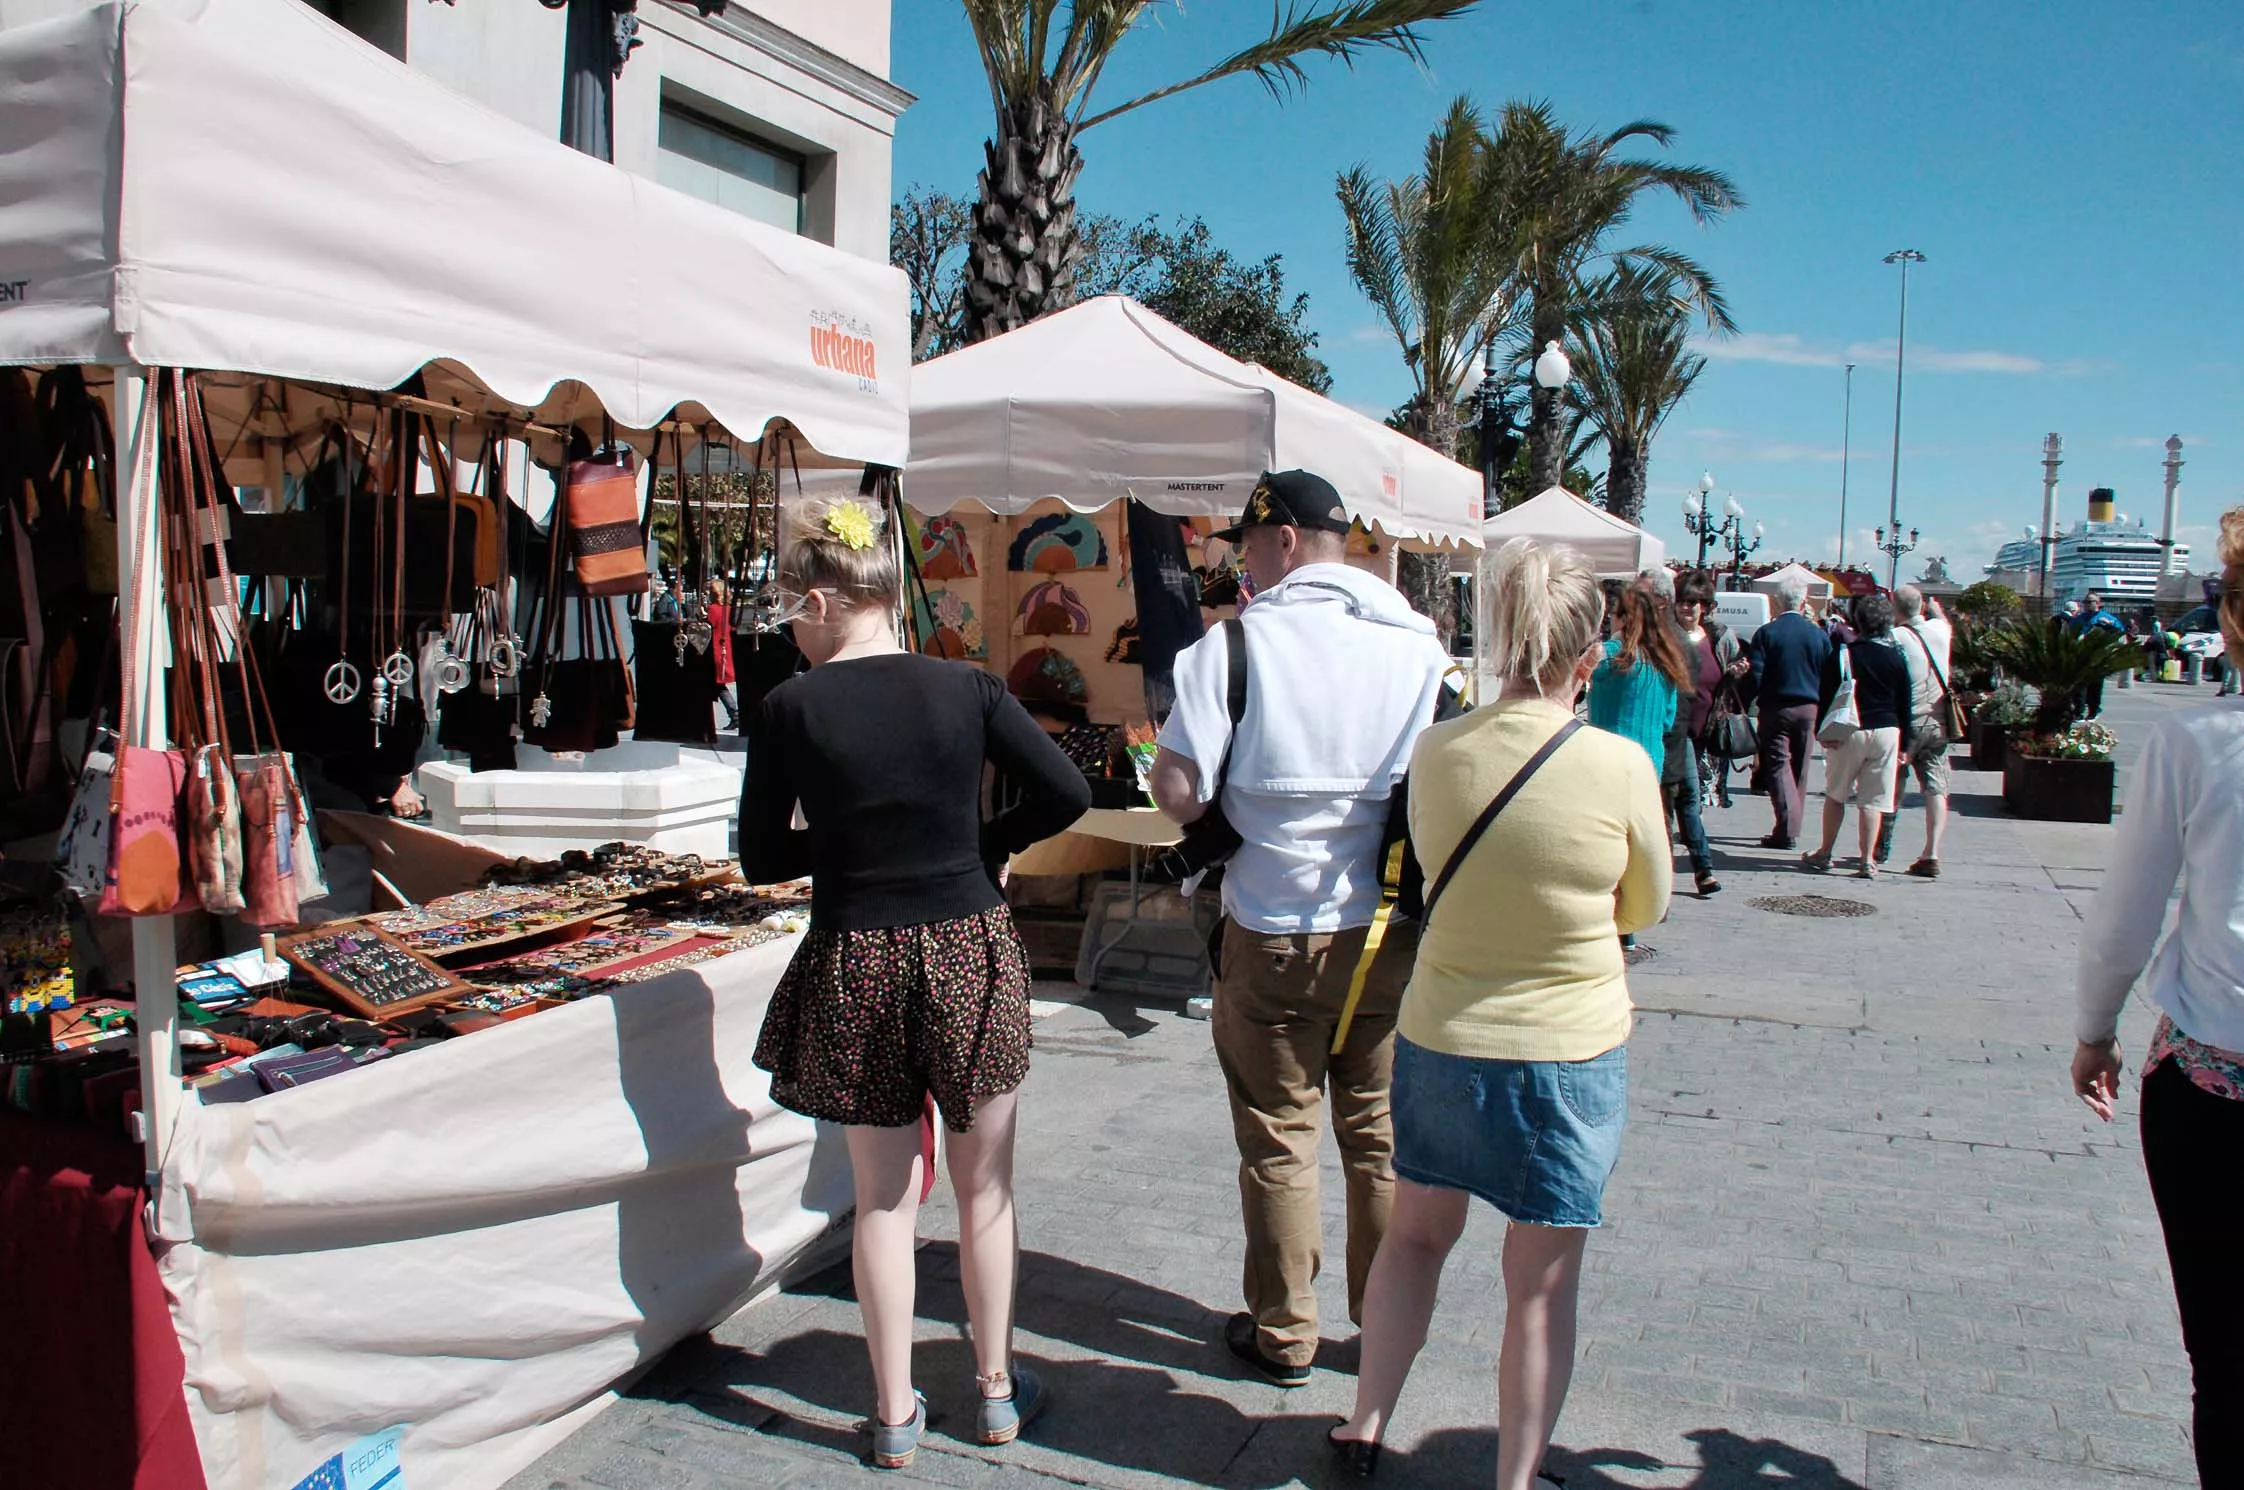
(1461, 1053)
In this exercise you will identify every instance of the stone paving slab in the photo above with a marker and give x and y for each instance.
(1861, 1238)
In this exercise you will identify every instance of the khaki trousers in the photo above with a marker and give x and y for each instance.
(1277, 1007)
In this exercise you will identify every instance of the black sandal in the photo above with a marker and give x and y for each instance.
(1358, 1457)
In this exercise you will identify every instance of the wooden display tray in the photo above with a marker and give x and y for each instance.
(441, 985)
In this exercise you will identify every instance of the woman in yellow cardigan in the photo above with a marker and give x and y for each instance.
(1511, 1071)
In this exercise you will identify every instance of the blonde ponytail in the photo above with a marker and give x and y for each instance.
(1540, 609)
(840, 544)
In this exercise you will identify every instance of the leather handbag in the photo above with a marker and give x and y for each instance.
(1729, 732)
(144, 872)
(606, 544)
(1950, 717)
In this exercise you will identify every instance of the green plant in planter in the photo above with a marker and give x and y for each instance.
(2007, 707)
(1971, 668)
(2085, 741)
(1988, 601)
(2059, 663)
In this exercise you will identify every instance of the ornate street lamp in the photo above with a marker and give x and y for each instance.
(1740, 550)
(1893, 548)
(1904, 257)
(1499, 441)
(1700, 523)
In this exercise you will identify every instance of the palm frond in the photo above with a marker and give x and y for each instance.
(1341, 29)
(1696, 283)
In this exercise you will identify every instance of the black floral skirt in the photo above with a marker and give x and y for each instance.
(866, 1025)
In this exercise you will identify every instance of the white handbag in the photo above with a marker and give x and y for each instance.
(82, 848)
(1840, 721)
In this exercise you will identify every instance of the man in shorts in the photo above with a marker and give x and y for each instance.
(1342, 675)
(1925, 638)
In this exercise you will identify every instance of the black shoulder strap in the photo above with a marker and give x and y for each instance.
(1488, 815)
(1235, 690)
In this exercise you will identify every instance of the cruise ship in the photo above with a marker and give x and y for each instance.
(2116, 558)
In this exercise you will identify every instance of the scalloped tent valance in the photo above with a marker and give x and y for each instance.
(244, 187)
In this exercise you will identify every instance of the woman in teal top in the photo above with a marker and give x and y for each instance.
(1633, 693)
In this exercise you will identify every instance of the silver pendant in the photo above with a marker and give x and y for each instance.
(541, 710)
(378, 699)
(452, 675)
(398, 668)
(342, 683)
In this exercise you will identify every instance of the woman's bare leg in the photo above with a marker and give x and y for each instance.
(1399, 1299)
(1542, 1278)
(989, 1242)
(887, 1164)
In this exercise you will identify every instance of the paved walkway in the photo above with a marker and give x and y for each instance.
(1861, 1236)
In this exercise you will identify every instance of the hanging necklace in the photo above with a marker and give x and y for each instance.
(452, 674)
(342, 681)
(398, 666)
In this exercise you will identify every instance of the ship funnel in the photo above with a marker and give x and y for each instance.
(2102, 505)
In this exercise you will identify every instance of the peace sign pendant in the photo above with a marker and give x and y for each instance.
(398, 668)
(341, 684)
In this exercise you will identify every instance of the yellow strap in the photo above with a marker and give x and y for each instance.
(1364, 960)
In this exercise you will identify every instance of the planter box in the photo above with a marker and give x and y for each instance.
(1989, 745)
(2059, 791)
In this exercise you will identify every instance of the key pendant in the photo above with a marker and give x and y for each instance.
(678, 645)
(378, 698)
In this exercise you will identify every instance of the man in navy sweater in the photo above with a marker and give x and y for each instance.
(1787, 656)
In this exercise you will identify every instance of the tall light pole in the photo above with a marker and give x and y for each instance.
(1904, 257)
(2052, 456)
(1699, 522)
(2166, 533)
(1846, 449)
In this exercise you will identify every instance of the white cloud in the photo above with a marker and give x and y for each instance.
(1369, 334)
(2158, 442)
(1788, 349)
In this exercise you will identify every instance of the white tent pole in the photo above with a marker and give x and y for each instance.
(155, 958)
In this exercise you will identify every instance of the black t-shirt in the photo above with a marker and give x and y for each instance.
(885, 756)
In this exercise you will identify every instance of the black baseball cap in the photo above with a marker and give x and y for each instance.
(1291, 499)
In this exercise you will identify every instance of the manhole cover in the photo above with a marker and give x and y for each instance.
(1812, 905)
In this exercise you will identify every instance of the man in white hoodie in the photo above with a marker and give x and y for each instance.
(1341, 677)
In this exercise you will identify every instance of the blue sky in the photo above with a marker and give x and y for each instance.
(2071, 170)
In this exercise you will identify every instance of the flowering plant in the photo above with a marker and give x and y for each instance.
(2085, 741)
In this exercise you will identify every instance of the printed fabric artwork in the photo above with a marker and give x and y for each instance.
(1059, 544)
(957, 633)
(35, 959)
(1044, 677)
(1052, 609)
(1125, 647)
(943, 550)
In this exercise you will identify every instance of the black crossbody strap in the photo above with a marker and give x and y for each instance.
(1235, 692)
(1488, 814)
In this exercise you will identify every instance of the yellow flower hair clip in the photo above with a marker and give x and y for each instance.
(852, 524)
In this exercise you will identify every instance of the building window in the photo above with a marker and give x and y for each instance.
(738, 172)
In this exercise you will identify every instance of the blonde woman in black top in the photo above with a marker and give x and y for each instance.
(867, 773)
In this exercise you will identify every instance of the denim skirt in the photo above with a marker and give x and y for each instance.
(1535, 1139)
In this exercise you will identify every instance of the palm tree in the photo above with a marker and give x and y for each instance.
(2059, 664)
(1569, 193)
(1044, 62)
(1636, 366)
(1431, 255)
(1428, 252)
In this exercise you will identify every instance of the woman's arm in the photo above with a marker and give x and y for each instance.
(771, 847)
(1640, 900)
(2128, 913)
(1053, 792)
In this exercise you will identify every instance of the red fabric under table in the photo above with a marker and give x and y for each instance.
(90, 1377)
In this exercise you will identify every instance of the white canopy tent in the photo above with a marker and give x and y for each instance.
(1614, 545)
(241, 188)
(1107, 400)
(247, 188)
(1819, 588)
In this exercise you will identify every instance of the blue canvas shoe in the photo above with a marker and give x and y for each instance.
(1003, 1418)
(895, 1444)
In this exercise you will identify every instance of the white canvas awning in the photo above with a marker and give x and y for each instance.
(244, 187)
(1107, 400)
(1614, 545)
(1819, 588)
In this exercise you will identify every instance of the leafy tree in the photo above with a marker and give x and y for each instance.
(1636, 366)
(1988, 600)
(1564, 197)
(928, 232)
(1237, 307)
(1044, 61)
(1178, 271)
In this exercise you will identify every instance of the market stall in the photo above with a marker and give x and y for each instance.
(1818, 587)
(1037, 456)
(439, 1252)
(1615, 545)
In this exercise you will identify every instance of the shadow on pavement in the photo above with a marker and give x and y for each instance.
(1727, 1461)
